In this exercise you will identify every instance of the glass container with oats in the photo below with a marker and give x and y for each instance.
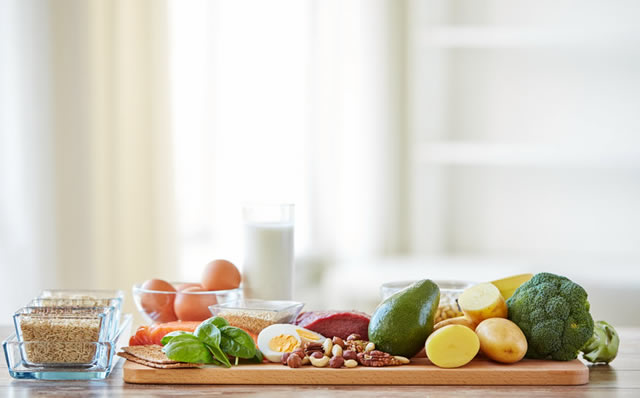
(253, 315)
(449, 292)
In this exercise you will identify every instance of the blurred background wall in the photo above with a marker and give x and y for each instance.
(418, 138)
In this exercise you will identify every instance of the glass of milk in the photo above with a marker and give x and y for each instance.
(268, 251)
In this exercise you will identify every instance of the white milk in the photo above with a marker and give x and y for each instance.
(268, 261)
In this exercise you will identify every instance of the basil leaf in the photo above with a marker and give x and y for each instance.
(236, 342)
(219, 355)
(169, 336)
(208, 333)
(187, 348)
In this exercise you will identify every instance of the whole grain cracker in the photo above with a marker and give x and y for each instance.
(176, 365)
(151, 353)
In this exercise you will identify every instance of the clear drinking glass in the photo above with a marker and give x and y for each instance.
(268, 251)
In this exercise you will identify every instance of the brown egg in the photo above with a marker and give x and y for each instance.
(221, 275)
(159, 306)
(193, 307)
(183, 286)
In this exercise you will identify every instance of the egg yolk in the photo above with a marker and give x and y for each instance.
(283, 343)
(305, 334)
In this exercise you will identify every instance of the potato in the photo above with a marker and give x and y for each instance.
(482, 301)
(452, 346)
(501, 340)
(460, 320)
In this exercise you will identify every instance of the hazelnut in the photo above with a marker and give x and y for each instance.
(317, 354)
(338, 341)
(299, 352)
(294, 361)
(354, 336)
(336, 362)
(285, 356)
(349, 354)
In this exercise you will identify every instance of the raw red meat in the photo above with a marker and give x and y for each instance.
(335, 323)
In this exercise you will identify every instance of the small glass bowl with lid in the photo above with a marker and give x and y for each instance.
(254, 315)
(449, 292)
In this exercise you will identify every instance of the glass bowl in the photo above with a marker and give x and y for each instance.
(449, 292)
(253, 315)
(159, 306)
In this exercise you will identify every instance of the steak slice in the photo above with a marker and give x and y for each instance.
(335, 323)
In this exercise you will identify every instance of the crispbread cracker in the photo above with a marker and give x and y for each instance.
(151, 353)
(175, 365)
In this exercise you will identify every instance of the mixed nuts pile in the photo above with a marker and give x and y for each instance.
(338, 353)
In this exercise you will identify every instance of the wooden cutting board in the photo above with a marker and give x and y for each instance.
(419, 372)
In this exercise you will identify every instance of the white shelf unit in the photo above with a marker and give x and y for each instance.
(524, 129)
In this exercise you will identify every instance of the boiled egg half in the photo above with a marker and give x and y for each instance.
(277, 339)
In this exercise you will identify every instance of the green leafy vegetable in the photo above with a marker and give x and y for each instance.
(167, 337)
(219, 355)
(603, 345)
(236, 342)
(208, 333)
(218, 321)
(211, 342)
(187, 348)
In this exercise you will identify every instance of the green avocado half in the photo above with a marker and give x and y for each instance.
(401, 323)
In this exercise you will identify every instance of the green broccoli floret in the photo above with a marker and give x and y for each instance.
(603, 345)
(553, 313)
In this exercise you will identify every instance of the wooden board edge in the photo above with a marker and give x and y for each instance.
(577, 374)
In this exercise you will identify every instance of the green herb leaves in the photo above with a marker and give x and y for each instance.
(237, 342)
(211, 342)
(188, 348)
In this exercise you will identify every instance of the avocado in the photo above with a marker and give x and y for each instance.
(401, 323)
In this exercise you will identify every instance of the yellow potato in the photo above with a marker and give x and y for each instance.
(460, 320)
(452, 346)
(501, 340)
(482, 301)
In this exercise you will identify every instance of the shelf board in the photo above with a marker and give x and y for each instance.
(506, 37)
(508, 154)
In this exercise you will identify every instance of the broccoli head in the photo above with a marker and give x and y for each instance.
(553, 313)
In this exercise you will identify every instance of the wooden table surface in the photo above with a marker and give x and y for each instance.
(621, 379)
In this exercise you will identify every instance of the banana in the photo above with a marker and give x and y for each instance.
(508, 286)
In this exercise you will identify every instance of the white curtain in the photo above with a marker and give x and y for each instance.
(87, 185)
